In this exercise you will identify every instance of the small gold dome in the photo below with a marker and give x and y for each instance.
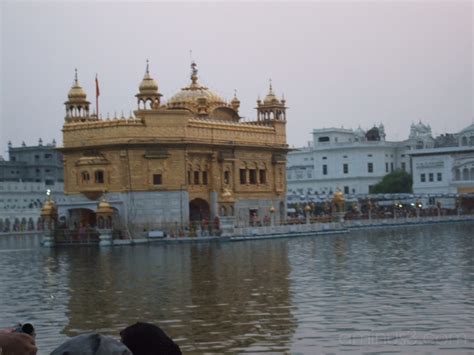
(104, 207)
(271, 97)
(235, 101)
(338, 196)
(49, 208)
(148, 84)
(76, 92)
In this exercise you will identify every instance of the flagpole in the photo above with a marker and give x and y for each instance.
(97, 95)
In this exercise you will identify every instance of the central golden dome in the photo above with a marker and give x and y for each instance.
(195, 95)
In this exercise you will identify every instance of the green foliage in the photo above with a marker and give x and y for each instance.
(398, 181)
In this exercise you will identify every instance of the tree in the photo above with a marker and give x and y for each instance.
(398, 181)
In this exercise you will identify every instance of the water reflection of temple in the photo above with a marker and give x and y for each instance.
(208, 296)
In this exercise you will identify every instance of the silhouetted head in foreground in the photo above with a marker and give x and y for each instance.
(148, 339)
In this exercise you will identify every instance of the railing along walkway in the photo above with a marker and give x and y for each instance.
(317, 227)
(64, 236)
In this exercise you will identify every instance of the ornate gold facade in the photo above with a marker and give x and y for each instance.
(194, 144)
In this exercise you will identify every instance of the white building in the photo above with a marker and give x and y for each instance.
(445, 169)
(24, 180)
(351, 160)
(21, 202)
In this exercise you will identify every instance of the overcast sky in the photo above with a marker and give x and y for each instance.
(338, 63)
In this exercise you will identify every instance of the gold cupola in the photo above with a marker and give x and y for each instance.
(235, 103)
(77, 106)
(196, 98)
(271, 108)
(271, 98)
(148, 96)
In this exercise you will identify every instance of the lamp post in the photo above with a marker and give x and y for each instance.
(49, 214)
(418, 206)
(370, 210)
(181, 205)
(307, 210)
(272, 214)
(104, 222)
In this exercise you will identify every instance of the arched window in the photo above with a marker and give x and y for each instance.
(31, 224)
(226, 177)
(471, 140)
(464, 140)
(465, 174)
(262, 175)
(457, 175)
(85, 176)
(99, 177)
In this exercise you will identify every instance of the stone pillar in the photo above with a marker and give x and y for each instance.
(213, 205)
(104, 223)
(49, 214)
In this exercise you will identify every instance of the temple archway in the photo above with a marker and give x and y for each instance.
(199, 210)
(82, 217)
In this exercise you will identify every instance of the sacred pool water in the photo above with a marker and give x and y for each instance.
(406, 290)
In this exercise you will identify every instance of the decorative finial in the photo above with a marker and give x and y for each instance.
(75, 77)
(271, 89)
(147, 67)
(194, 72)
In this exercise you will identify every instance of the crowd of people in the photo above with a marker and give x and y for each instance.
(137, 339)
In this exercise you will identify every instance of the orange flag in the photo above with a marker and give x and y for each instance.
(97, 91)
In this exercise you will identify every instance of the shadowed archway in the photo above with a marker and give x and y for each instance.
(199, 210)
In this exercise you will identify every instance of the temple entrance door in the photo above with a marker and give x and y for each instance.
(82, 217)
(199, 210)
